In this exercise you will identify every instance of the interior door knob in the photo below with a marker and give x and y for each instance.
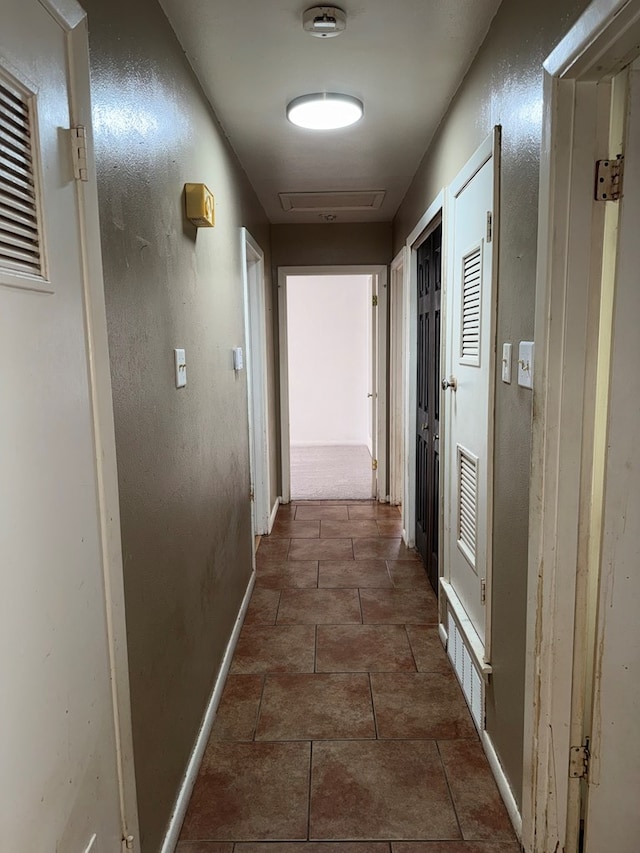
(451, 382)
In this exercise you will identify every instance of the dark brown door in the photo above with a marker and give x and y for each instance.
(428, 403)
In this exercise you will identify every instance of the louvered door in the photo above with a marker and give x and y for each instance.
(427, 434)
(468, 394)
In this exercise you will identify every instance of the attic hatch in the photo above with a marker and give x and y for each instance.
(20, 234)
(316, 202)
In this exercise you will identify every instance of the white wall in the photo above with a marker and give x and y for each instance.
(328, 320)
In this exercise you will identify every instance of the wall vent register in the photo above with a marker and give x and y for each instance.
(20, 239)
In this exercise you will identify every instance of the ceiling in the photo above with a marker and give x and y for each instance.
(404, 59)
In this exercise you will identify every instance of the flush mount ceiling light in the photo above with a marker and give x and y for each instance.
(325, 111)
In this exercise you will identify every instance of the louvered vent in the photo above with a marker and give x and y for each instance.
(467, 504)
(471, 306)
(19, 228)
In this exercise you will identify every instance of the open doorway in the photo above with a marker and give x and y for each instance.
(330, 360)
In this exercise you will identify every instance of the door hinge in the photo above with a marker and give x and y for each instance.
(127, 843)
(252, 495)
(483, 590)
(374, 301)
(374, 464)
(609, 175)
(79, 153)
(489, 226)
(579, 761)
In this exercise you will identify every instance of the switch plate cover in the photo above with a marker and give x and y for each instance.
(181, 368)
(506, 363)
(525, 364)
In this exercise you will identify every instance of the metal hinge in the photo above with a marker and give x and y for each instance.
(483, 590)
(579, 761)
(252, 495)
(79, 153)
(609, 179)
(374, 301)
(127, 843)
(374, 464)
(489, 226)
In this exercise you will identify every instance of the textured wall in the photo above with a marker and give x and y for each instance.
(182, 454)
(331, 244)
(504, 86)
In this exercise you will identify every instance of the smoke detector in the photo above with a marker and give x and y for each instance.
(324, 21)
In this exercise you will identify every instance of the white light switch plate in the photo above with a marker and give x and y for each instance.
(181, 368)
(238, 358)
(506, 363)
(525, 364)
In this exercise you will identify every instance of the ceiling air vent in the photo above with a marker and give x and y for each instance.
(19, 226)
(339, 200)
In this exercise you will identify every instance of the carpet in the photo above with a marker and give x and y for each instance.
(331, 472)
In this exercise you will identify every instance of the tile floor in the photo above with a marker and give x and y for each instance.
(342, 728)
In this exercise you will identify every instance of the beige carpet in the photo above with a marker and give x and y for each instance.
(335, 472)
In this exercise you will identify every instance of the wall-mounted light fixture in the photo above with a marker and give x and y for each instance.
(199, 205)
(325, 111)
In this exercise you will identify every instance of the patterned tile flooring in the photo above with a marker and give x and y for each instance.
(342, 728)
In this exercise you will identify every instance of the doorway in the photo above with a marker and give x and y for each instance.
(332, 351)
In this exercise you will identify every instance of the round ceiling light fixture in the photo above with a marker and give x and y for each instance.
(325, 111)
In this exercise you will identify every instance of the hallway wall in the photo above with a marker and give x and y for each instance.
(183, 455)
(504, 86)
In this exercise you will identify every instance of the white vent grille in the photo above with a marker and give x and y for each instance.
(465, 669)
(471, 307)
(19, 226)
(467, 504)
(328, 201)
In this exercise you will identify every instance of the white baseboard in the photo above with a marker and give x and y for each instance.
(191, 773)
(274, 512)
(503, 783)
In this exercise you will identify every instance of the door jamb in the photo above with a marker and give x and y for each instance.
(425, 225)
(381, 273)
(397, 323)
(257, 388)
(73, 19)
(599, 44)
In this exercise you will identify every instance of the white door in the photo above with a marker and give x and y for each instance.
(613, 816)
(468, 395)
(58, 773)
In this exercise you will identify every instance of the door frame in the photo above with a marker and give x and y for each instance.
(568, 282)
(397, 274)
(378, 272)
(262, 513)
(424, 226)
(73, 20)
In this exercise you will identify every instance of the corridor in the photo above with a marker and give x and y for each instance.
(341, 720)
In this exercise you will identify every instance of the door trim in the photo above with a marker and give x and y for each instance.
(424, 226)
(397, 279)
(257, 387)
(73, 19)
(380, 273)
(562, 436)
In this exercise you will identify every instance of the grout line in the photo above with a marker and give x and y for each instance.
(255, 722)
(373, 708)
(309, 798)
(360, 605)
(315, 649)
(415, 662)
(446, 779)
(275, 622)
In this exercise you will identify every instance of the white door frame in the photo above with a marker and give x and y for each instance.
(257, 388)
(427, 222)
(567, 289)
(396, 375)
(73, 20)
(380, 399)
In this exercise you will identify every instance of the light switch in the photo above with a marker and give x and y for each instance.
(525, 364)
(181, 368)
(506, 363)
(238, 358)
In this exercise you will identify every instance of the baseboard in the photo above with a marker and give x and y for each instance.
(274, 512)
(189, 779)
(503, 783)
